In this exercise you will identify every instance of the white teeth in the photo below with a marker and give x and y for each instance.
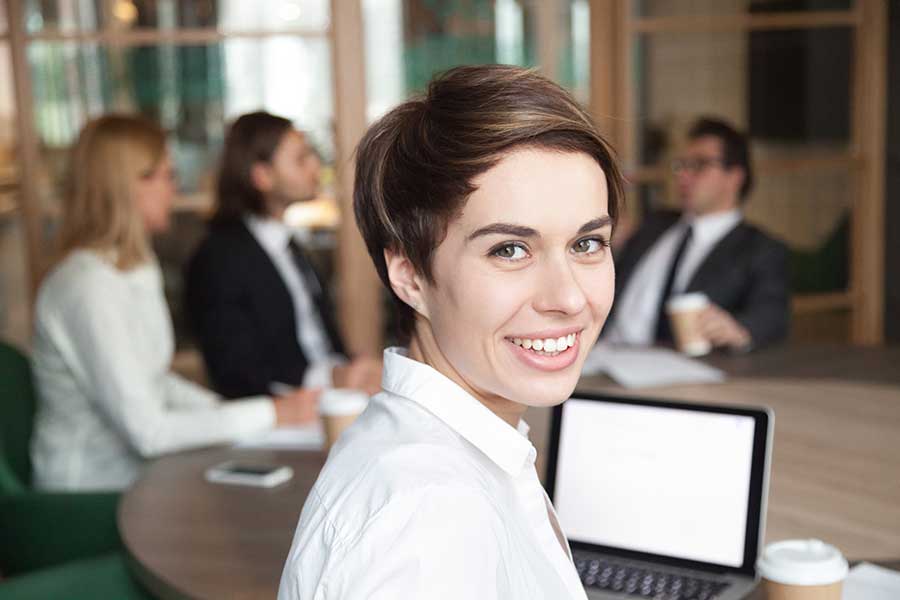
(548, 345)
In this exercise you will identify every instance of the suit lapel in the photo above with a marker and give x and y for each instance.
(719, 258)
(266, 278)
(638, 247)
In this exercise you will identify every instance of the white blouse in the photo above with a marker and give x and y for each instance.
(103, 345)
(428, 495)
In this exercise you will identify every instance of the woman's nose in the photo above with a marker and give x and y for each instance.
(558, 289)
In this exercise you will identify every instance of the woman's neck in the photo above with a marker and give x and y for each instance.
(424, 349)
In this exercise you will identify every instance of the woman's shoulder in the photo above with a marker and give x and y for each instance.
(79, 265)
(357, 486)
(405, 500)
(403, 479)
(398, 442)
(81, 275)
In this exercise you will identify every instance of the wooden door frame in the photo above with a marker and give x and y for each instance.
(613, 30)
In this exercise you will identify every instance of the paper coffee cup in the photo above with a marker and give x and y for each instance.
(684, 312)
(339, 408)
(802, 570)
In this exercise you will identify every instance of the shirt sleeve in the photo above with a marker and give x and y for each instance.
(184, 394)
(137, 399)
(767, 307)
(443, 543)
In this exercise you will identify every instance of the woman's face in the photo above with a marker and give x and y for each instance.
(154, 194)
(523, 281)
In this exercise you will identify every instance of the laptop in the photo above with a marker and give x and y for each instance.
(660, 499)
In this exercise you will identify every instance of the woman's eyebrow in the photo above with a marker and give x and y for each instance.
(504, 229)
(595, 224)
(527, 232)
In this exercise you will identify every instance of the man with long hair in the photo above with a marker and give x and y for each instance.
(260, 311)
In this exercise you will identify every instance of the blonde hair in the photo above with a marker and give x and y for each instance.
(113, 152)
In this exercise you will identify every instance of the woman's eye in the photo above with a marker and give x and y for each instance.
(589, 245)
(510, 252)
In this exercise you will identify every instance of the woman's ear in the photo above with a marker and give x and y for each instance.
(261, 176)
(405, 281)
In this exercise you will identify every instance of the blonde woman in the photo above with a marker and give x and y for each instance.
(103, 336)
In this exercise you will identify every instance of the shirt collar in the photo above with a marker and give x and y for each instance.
(507, 447)
(272, 234)
(714, 225)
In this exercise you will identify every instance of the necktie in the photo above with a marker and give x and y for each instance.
(320, 299)
(663, 328)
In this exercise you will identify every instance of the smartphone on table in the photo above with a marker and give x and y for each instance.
(245, 473)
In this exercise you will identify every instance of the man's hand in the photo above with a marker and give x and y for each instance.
(721, 329)
(298, 407)
(362, 373)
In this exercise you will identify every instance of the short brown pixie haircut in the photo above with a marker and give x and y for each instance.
(415, 167)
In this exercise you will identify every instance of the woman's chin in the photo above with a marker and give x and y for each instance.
(545, 381)
(538, 393)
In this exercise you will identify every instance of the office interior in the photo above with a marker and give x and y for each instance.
(812, 82)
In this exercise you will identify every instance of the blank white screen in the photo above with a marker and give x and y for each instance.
(664, 481)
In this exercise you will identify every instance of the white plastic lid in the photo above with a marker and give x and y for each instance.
(341, 402)
(692, 301)
(802, 562)
(697, 348)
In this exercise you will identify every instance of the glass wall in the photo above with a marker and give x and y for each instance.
(14, 290)
(191, 65)
(789, 88)
(705, 8)
(408, 41)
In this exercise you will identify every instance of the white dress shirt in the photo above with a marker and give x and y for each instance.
(274, 237)
(103, 346)
(634, 321)
(428, 494)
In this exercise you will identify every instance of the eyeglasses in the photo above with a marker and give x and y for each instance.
(694, 165)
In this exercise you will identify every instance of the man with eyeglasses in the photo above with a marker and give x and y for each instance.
(706, 247)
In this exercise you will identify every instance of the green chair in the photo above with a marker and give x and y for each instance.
(103, 577)
(47, 538)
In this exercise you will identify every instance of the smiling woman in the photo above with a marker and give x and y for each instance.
(487, 206)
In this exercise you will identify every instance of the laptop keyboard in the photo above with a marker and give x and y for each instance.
(643, 582)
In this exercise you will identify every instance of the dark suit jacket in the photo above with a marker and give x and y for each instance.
(242, 314)
(746, 273)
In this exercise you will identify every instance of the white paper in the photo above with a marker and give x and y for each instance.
(304, 437)
(636, 367)
(871, 582)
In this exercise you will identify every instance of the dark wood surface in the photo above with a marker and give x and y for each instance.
(863, 364)
(189, 538)
(837, 455)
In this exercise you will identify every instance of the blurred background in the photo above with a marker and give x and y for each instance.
(809, 80)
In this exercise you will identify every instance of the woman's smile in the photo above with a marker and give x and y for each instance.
(549, 350)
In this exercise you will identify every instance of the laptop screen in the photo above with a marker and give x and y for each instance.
(657, 478)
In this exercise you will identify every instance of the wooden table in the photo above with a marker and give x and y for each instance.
(188, 538)
(836, 475)
(863, 364)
